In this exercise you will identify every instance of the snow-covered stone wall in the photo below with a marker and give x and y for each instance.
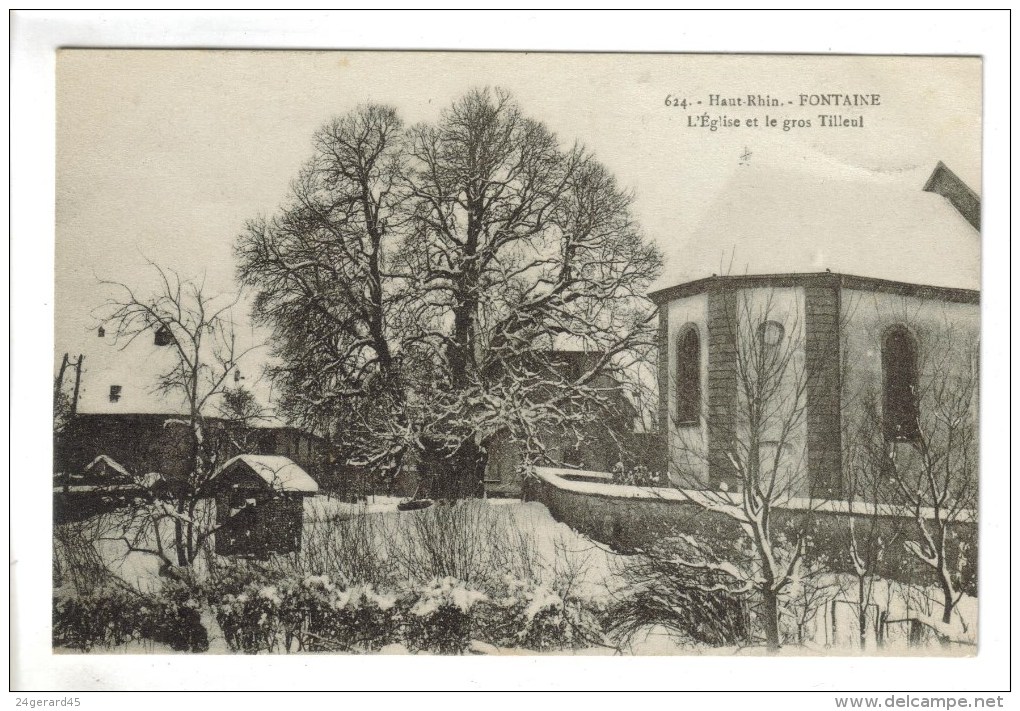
(631, 518)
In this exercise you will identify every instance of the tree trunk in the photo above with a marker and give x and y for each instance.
(457, 475)
(58, 383)
(191, 542)
(947, 601)
(770, 619)
(862, 613)
(179, 547)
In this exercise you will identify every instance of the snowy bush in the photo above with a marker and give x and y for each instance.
(681, 587)
(77, 560)
(114, 615)
(467, 540)
(347, 547)
(230, 577)
(640, 475)
(106, 617)
(301, 602)
(248, 617)
(532, 615)
(361, 619)
(541, 620)
(173, 617)
(438, 616)
(250, 620)
(278, 612)
(318, 615)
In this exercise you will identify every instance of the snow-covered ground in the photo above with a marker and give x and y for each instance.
(595, 573)
(322, 507)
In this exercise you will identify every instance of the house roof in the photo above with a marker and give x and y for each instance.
(279, 473)
(809, 216)
(135, 368)
(110, 462)
(104, 474)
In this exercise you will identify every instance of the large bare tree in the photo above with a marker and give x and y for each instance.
(419, 282)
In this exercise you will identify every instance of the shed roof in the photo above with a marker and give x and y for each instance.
(279, 473)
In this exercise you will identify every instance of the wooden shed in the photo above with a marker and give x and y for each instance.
(259, 505)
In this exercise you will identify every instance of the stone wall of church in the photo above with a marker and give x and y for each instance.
(727, 320)
(822, 372)
(947, 336)
(686, 444)
(835, 325)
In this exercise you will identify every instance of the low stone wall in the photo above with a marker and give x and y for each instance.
(630, 518)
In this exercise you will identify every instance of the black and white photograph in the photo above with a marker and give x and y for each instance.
(516, 354)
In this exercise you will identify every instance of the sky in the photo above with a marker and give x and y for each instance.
(163, 155)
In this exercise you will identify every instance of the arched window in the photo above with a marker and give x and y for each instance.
(900, 389)
(688, 376)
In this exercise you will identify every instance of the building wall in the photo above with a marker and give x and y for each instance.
(727, 321)
(785, 425)
(721, 385)
(946, 331)
(686, 444)
(306, 450)
(947, 334)
(139, 443)
(630, 523)
(836, 328)
(822, 325)
(146, 443)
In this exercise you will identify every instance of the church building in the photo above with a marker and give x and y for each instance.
(842, 300)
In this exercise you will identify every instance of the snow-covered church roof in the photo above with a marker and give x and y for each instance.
(808, 215)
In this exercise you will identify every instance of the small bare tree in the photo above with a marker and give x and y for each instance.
(865, 481)
(935, 468)
(910, 445)
(814, 589)
(242, 414)
(199, 331)
(866, 487)
(763, 447)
